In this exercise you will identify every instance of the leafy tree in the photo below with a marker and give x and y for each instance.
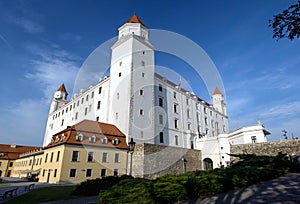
(287, 23)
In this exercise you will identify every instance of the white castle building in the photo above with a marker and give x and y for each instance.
(142, 104)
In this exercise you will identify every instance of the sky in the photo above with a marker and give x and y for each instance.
(44, 44)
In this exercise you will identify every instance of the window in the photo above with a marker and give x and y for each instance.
(98, 105)
(100, 89)
(116, 172)
(143, 63)
(82, 100)
(120, 74)
(85, 110)
(117, 115)
(76, 115)
(118, 96)
(30, 161)
(72, 173)
(176, 140)
(104, 140)
(75, 156)
(253, 138)
(221, 147)
(51, 157)
(88, 173)
(212, 123)
(160, 87)
(90, 157)
(92, 139)
(161, 119)
(71, 107)
(141, 92)
(87, 98)
(103, 172)
(115, 141)
(62, 122)
(141, 112)
(187, 101)
(104, 157)
(205, 110)
(175, 108)
(79, 137)
(143, 74)
(117, 157)
(57, 157)
(206, 131)
(120, 64)
(55, 172)
(62, 112)
(97, 118)
(92, 95)
(176, 123)
(161, 137)
(205, 120)
(77, 103)
(142, 134)
(44, 171)
(66, 109)
(160, 102)
(46, 158)
(188, 114)
(189, 126)
(224, 129)
(174, 94)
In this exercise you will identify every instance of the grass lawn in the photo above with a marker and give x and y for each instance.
(45, 194)
(3, 184)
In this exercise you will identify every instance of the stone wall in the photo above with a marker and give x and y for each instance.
(288, 147)
(151, 161)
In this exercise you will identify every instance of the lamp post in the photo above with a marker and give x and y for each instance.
(131, 146)
(183, 164)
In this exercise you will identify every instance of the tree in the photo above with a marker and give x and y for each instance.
(287, 23)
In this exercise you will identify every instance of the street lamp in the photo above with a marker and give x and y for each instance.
(131, 146)
(183, 164)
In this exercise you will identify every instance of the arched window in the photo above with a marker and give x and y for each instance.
(208, 164)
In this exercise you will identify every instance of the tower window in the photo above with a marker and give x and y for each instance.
(92, 95)
(143, 63)
(120, 64)
(189, 126)
(120, 74)
(143, 74)
(118, 96)
(82, 100)
(161, 137)
(160, 87)
(174, 94)
(100, 89)
(188, 114)
(117, 115)
(141, 112)
(161, 119)
(160, 102)
(87, 97)
(98, 105)
(176, 140)
(176, 123)
(143, 52)
(175, 108)
(141, 92)
(97, 118)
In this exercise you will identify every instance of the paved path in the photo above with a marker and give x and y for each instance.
(282, 190)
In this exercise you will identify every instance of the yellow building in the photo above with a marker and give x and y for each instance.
(87, 150)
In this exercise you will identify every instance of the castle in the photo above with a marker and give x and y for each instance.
(133, 102)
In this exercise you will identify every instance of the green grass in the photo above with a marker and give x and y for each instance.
(44, 195)
(4, 184)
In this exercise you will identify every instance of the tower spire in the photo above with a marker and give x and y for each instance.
(135, 19)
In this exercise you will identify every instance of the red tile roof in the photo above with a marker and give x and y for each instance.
(62, 88)
(87, 129)
(135, 19)
(217, 91)
(10, 152)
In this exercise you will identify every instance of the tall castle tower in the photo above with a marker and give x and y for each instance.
(218, 101)
(132, 82)
(59, 98)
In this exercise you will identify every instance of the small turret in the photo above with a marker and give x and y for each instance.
(218, 101)
(59, 98)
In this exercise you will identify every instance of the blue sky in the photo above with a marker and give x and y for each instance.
(44, 43)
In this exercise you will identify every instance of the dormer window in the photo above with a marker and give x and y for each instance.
(62, 138)
(79, 137)
(57, 139)
(92, 139)
(115, 141)
(52, 140)
(104, 140)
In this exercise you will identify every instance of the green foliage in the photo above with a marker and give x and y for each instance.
(287, 23)
(251, 169)
(92, 187)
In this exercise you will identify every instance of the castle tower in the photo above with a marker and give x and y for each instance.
(59, 98)
(132, 82)
(218, 101)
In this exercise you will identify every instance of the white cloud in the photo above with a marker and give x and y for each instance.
(282, 111)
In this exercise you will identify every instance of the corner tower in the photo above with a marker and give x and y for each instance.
(59, 98)
(132, 82)
(218, 101)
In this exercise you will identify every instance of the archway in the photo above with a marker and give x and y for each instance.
(208, 164)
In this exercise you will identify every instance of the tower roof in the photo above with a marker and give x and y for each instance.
(217, 91)
(62, 88)
(135, 19)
